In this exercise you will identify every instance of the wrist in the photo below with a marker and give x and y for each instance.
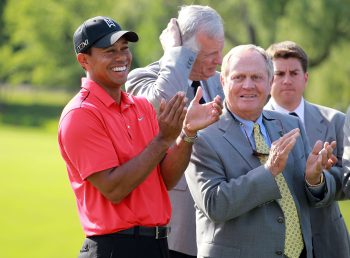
(188, 132)
(190, 138)
(314, 183)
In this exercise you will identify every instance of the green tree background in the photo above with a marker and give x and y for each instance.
(36, 37)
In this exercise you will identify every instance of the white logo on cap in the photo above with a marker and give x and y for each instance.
(82, 45)
(109, 22)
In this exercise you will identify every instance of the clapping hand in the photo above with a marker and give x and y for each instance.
(171, 117)
(200, 116)
(280, 150)
(321, 158)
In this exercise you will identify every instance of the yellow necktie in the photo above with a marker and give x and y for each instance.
(293, 243)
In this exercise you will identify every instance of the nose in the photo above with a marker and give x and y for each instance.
(248, 83)
(122, 56)
(286, 79)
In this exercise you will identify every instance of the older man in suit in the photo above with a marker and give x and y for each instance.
(252, 175)
(193, 45)
(330, 235)
(346, 154)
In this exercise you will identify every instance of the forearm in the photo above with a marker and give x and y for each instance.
(175, 162)
(338, 174)
(162, 79)
(328, 191)
(143, 82)
(115, 184)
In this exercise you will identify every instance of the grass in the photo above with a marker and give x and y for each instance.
(38, 217)
(345, 209)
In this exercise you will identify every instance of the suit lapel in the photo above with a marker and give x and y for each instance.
(232, 132)
(315, 126)
(273, 126)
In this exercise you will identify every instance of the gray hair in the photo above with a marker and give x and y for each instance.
(197, 18)
(237, 49)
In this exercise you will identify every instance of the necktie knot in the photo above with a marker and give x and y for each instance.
(195, 84)
(293, 114)
(262, 149)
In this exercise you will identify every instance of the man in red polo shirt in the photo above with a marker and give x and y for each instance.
(122, 159)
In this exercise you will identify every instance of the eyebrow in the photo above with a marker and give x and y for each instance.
(294, 70)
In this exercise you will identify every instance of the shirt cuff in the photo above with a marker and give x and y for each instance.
(317, 190)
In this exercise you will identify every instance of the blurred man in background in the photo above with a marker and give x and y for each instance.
(330, 235)
(346, 154)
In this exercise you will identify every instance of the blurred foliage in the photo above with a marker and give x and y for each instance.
(36, 37)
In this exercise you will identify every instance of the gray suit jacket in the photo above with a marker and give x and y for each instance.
(346, 155)
(163, 79)
(235, 196)
(330, 235)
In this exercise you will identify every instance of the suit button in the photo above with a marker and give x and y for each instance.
(280, 220)
(279, 252)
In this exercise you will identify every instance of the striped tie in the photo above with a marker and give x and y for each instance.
(293, 243)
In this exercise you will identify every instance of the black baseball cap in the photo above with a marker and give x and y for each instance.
(100, 32)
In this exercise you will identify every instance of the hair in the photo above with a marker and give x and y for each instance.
(288, 49)
(196, 18)
(237, 49)
(87, 51)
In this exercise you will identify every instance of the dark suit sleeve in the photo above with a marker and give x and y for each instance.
(337, 171)
(346, 155)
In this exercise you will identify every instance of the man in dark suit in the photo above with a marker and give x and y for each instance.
(252, 174)
(346, 154)
(191, 55)
(330, 235)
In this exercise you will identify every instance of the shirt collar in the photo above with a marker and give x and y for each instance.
(248, 126)
(190, 82)
(299, 110)
(90, 85)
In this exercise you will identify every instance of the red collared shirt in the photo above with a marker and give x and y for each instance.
(95, 133)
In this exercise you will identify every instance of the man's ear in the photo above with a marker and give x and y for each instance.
(270, 83)
(222, 79)
(306, 78)
(82, 60)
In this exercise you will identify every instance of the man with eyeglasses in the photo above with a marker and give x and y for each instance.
(252, 175)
